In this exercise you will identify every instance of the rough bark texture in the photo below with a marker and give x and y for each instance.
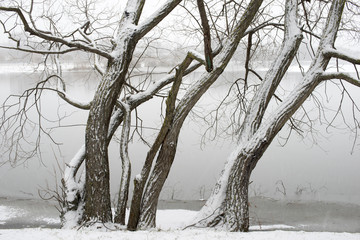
(97, 189)
(140, 181)
(157, 179)
(227, 205)
(236, 204)
(168, 149)
(126, 166)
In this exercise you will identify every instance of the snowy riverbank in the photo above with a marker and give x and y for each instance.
(55, 234)
(271, 219)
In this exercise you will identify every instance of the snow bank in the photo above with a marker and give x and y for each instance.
(173, 219)
(170, 224)
(49, 234)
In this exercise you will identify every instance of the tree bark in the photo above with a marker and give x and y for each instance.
(97, 190)
(226, 206)
(140, 181)
(167, 153)
(157, 179)
(236, 204)
(126, 166)
(97, 187)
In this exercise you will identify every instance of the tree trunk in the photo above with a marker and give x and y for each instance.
(167, 153)
(140, 180)
(222, 207)
(236, 205)
(232, 210)
(123, 195)
(97, 187)
(126, 166)
(157, 179)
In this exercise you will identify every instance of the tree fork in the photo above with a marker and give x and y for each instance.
(140, 181)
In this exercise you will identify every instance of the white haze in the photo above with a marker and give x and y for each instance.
(324, 170)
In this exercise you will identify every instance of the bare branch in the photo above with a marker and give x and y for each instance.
(207, 37)
(339, 75)
(331, 52)
(39, 51)
(157, 17)
(52, 38)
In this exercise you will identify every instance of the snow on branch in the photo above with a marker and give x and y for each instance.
(52, 38)
(331, 52)
(138, 98)
(125, 108)
(61, 90)
(288, 50)
(157, 17)
(133, 11)
(73, 189)
(73, 102)
(291, 20)
(75, 163)
(342, 76)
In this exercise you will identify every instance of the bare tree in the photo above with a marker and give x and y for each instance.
(167, 151)
(228, 205)
(87, 197)
(96, 192)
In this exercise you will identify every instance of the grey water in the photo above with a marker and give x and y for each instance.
(319, 167)
(265, 214)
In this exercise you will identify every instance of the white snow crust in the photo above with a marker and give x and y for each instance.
(170, 226)
(198, 234)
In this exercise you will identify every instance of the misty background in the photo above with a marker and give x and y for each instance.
(322, 165)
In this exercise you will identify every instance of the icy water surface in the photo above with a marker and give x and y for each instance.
(265, 213)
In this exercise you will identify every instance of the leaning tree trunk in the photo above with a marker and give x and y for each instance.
(140, 180)
(167, 153)
(157, 179)
(220, 208)
(97, 188)
(237, 204)
(126, 166)
(235, 208)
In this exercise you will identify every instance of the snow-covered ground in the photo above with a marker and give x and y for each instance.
(170, 222)
(50, 234)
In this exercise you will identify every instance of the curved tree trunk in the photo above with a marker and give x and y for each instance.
(157, 179)
(235, 208)
(126, 166)
(237, 202)
(227, 206)
(140, 180)
(167, 153)
(97, 188)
